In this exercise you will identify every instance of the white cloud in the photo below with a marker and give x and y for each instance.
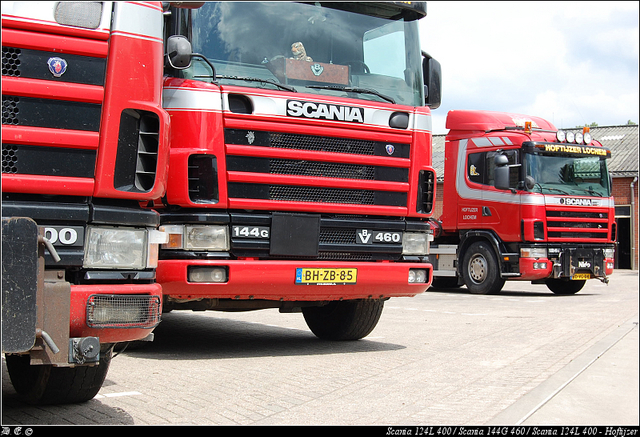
(571, 63)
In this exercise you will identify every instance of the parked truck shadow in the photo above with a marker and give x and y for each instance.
(510, 290)
(183, 335)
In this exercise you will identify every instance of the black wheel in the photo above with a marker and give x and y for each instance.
(46, 384)
(343, 320)
(564, 286)
(480, 269)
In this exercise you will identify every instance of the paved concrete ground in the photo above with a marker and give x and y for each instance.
(599, 387)
(525, 356)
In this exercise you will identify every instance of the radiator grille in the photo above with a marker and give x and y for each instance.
(571, 225)
(320, 159)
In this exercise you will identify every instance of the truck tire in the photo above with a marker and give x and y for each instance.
(480, 269)
(49, 385)
(344, 320)
(564, 286)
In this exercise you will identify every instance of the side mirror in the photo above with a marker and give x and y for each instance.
(432, 74)
(529, 183)
(501, 172)
(178, 52)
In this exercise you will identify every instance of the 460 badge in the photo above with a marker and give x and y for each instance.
(326, 276)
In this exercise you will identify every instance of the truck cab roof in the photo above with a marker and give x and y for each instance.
(470, 120)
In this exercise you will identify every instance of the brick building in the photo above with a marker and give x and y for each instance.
(623, 166)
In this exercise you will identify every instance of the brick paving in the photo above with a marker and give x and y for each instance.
(442, 357)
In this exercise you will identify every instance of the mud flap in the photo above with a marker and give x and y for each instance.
(20, 276)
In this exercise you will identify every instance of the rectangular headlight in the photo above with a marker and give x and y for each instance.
(609, 253)
(115, 248)
(206, 237)
(533, 252)
(414, 243)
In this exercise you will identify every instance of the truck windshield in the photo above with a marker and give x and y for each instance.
(568, 175)
(308, 48)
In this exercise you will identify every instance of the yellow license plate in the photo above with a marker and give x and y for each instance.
(581, 276)
(326, 276)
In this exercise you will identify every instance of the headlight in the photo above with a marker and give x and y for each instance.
(414, 243)
(560, 136)
(533, 252)
(204, 237)
(587, 138)
(579, 137)
(609, 253)
(115, 248)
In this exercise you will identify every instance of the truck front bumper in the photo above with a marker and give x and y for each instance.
(276, 280)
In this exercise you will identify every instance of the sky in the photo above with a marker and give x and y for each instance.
(571, 63)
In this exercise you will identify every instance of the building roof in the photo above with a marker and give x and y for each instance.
(621, 140)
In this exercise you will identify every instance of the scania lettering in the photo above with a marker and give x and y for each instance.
(522, 201)
(84, 141)
(325, 112)
(300, 160)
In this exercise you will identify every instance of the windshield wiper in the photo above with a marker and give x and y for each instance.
(558, 190)
(257, 79)
(592, 192)
(352, 90)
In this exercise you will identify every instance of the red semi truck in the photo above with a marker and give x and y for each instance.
(522, 201)
(300, 160)
(84, 140)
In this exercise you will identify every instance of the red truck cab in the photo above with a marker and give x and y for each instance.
(84, 141)
(522, 201)
(300, 163)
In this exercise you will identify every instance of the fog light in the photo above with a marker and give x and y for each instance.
(119, 311)
(417, 276)
(610, 266)
(207, 274)
(540, 266)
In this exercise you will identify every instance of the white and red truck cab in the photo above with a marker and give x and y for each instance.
(522, 201)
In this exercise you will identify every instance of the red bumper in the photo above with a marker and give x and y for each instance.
(78, 322)
(275, 280)
(530, 268)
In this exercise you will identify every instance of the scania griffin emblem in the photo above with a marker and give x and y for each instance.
(57, 66)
